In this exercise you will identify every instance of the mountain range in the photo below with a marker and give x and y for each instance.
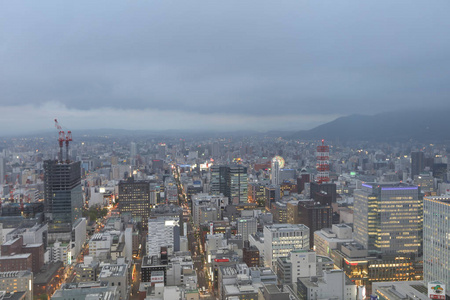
(424, 126)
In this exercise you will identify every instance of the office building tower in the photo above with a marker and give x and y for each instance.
(246, 226)
(230, 181)
(2, 170)
(162, 151)
(436, 239)
(272, 195)
(218, 179)
(281, 239)
(215, 150)
(164, 210)
(417, 163)
(63, 200)
(133, 153)
(134, 197)
(275, 171)
(388, 218)
(316, 216)
(237, 184)
(163, 232)
(256, 193)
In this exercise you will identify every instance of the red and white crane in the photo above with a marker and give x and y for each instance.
(63, 137)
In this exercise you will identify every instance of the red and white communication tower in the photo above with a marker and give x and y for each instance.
(323, 163)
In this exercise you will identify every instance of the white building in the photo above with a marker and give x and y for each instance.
(246, 227)
(328, 239)
(215, 242)
(334, 284)
(275, 172)
(100, 244)
(399, 290)
(162, 232)
(116, 275)
(78, 237)
(129, 243)
(281, 239)
(61, 252)
(436, 239)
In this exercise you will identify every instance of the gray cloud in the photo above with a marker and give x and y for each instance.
(229, 57)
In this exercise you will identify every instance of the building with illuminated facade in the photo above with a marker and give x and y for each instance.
(17, 281)
(436, 239)
(281, 239)
(230, 181)
(134, 197)
(388, 218)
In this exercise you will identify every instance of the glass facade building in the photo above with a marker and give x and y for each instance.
(388, 218)
(436, 239)
(63, 200)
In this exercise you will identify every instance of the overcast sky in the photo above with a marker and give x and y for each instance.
(218, 64)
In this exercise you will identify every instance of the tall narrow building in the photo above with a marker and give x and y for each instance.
(275, 171)
(436, 239)
(219, 179)
(388, 218)
(237, 184)
(417, 163)
(63, 200)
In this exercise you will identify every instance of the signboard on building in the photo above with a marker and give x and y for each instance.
(436, 290)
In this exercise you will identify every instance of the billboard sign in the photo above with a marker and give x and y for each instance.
(436, 290)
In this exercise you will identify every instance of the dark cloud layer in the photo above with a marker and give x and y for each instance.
(229, 57)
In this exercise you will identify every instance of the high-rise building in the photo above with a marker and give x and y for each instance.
(237, 184)
(2, 170)
(133, 153)
(162, 151)
(272, 195)
(388, 218)
(163, 232)
(246, 226)
(436, 239)
(134, 197)
(275, 171)
(417, 163)
(218, 179)
(281, 239)
(215, 150)
(62, 194)
(314, 215)
(230, 181)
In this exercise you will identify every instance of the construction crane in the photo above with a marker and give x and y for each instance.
(61, 139)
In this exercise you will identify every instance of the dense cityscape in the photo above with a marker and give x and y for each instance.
(224, 150)
(254, 217)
